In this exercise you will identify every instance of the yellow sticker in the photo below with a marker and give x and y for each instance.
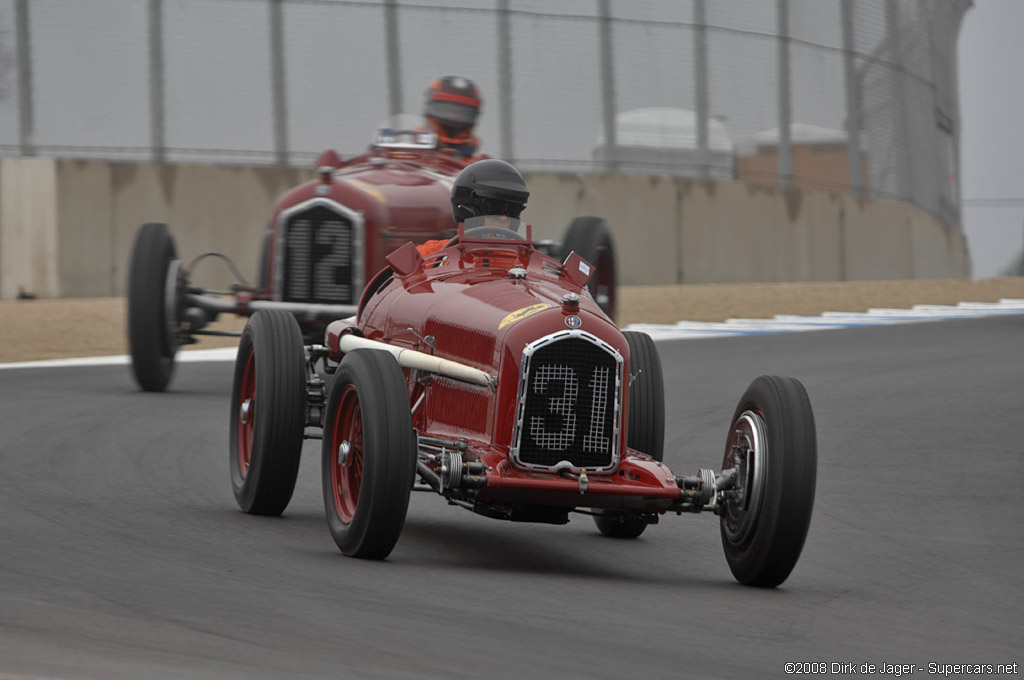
(368, 189)
(522, 314)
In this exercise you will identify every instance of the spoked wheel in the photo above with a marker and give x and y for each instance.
(154, 302)
(645, 426)
(592, 239)
(268, 413)
(772, 444)
(369, 456)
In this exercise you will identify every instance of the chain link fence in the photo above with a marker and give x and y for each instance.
(847, 95)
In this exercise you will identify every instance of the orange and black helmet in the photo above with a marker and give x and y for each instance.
(452, 106)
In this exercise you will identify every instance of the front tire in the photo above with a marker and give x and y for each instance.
(772, 442)
(645, 430)
(368, 456)
(592, 239)
(152, 307)
(268, 413)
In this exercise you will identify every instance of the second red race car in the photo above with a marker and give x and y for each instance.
(327, 238)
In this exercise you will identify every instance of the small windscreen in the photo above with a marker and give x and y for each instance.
(495, 226)
(404, 131)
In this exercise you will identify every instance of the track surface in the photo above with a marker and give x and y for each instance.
(123, 555)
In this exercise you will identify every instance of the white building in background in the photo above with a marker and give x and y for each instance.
(663, 141)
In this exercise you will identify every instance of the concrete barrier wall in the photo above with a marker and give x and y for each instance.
(28, 228)
(673, 230)
(66, 227)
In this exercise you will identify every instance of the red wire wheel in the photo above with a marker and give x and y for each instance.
(247, 396)
(369, 454)
(347, 467)
(268, 413)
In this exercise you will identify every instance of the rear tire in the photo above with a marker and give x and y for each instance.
(591, 238)
(645, 429)
(268, 413)
(152, 317)
(368, 456)
(773, 442)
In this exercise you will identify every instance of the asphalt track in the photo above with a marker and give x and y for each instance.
(123, 555)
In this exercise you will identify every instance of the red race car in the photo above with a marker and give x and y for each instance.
(327, 238)
(487, 373)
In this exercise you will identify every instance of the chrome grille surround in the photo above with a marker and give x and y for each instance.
(587, 410)
(344, 236)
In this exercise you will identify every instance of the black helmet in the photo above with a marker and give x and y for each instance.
(452, 106)
(488, 187)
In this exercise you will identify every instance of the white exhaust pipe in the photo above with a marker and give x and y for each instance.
(410, 358)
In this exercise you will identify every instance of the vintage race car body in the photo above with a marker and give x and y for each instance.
(327, 237)
(487, 373)
(554, 413)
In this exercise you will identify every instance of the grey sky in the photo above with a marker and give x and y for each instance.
(992, 139)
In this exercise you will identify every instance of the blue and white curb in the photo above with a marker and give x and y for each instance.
(683, 330)
(220, 354)
(795, 323)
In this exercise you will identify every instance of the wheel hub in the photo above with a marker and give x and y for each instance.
(748, 454)
(344, 453)
(245, 412)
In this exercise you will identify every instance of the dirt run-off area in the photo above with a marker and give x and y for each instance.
(81, 327)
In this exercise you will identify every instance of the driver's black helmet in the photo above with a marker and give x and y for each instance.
(488, 187)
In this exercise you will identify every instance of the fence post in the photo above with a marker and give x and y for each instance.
(393, 57)
(505, 79)
(26, 112)
(899, 82)
(853, 114)
(700, 65)
(157, 125)
(611, 141)
(784, 94)
(278, 86)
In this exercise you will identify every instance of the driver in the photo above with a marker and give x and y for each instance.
(489, 187)
(451, 108)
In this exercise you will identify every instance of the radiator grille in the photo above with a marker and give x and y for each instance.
(319, 255)
(569, 400)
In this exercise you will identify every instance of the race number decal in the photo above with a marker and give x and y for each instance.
(319, 259)
(556, 430)
(562, 406)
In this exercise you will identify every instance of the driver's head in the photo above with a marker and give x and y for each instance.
(488, 187)
(451, 108)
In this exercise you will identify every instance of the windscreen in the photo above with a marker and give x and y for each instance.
(495, 226)
(404, 131)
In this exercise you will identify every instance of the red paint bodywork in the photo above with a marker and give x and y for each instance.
(402, 195)
(463, 296)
